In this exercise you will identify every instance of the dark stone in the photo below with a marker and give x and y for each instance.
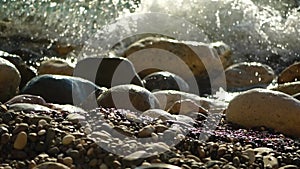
(18, 155)
(53, 151)
(6, 117)
(60, 89)
(164, 80)
(108, 72)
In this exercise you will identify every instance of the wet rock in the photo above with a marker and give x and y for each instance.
(55, 66)
(10, 79)
(288, 88)
(108, 72)
(290, 74)
(167, 98)
(21, 141)
(186, 106)
(243, 76)
(130, 97)
(26, 72)
(26, 98)
(60, 89)
(261, 107)
(51, 165)
(164, 80)
(179, 52)
(159, 114)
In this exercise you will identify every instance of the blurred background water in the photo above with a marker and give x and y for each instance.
(256, 30)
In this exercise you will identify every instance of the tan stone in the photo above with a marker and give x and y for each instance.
(186, 106)
(130, 97)
(68, 139)
(10, 79)
(21, 141)
(248, 75)
(262, 107)
(290, 74)
(55, 66)
(182, 58)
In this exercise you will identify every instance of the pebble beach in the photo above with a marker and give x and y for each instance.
(150, 101)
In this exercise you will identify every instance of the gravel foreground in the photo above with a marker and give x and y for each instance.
(82, 141)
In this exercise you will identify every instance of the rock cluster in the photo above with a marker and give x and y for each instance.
(142, 110)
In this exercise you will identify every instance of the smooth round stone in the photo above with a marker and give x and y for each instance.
(108, 72)
(10, 79)
(186, 106)
(55, 66)
(290, 88)
(51, 165)
(290, 74)
(146, 131)
(68, 139)
(159, 114)
(167, 98)
(247, 75)
(130, 97)
(164, 80)
(21, 141)
(26, 72)
(27, 98)
(178, 56)
(60, 89)
(262, 107)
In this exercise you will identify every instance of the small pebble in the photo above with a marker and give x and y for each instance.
(21, 141)
(68, 139)
(68, 161)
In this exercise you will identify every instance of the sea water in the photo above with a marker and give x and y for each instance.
(256, 30)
